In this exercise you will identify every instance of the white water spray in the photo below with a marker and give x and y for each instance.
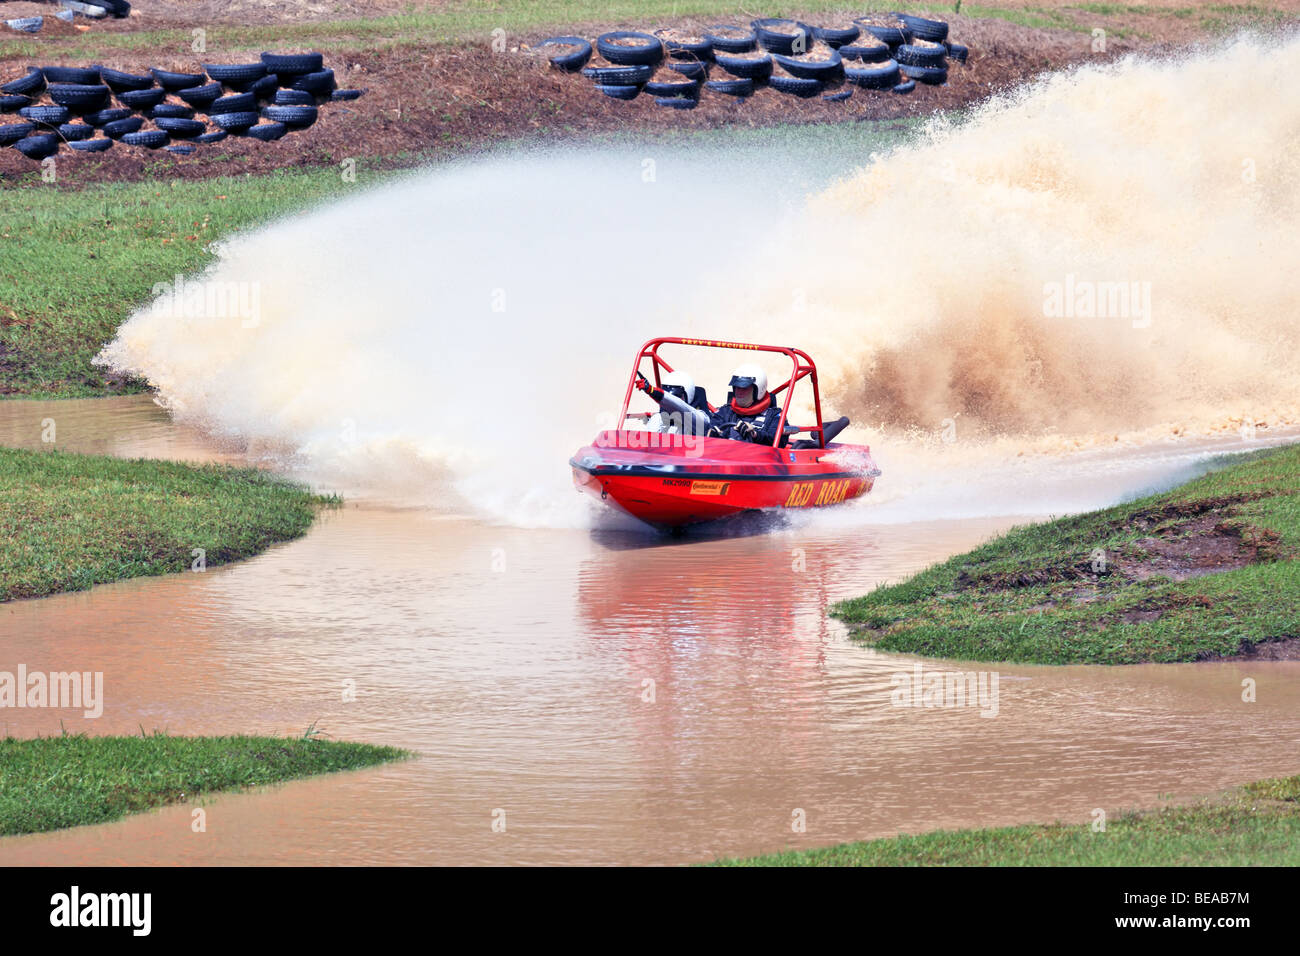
(453, 337)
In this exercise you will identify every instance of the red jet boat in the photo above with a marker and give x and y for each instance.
(671, 480)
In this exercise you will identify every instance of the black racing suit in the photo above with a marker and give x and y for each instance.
(727, 423)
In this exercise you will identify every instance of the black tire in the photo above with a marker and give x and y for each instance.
(907, 86)
(171, 110)
(685, 49)
(237, 76)
(96, 145)
(694, 69)
(573, 57)
(292, 64)
(119, 128)
(120, 82)
(619, 75)
(779, 35)
(11, 133)
(958, 51)
(293, 98)
(890, 33)
(836, 36)
(339, 96)
(179, 127)
(799, 86)
(629, 48)
(319, 84)
(267, 132)
(672, 90)
(86, 99)
(820, 70)
(45, 115)
(201, 97)
(265, 88)
(71, 74)
(295, 117)
(872, 76)
(107, 116)
(839, 96)
(180, 149)
(909, 54)
(234, 122)
(28, 85)
(619, 92)
(177, 81)
(234, 103)
(923, 29)
(730, 39)
(866, 49)
(38, 145)
(142, 99)
(216, 136)
(148, 138)
(76, 131)
(746, 67)
(118, 9)
(732, 86)
(13, 102)
(929, 75)
(678, 102)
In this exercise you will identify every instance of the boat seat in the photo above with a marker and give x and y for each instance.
(829, 431)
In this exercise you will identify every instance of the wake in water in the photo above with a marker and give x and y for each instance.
(1102, 256)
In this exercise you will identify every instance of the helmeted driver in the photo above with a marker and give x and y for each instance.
(749, 414)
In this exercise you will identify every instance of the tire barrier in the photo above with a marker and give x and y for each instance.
(88, 108)
(880, 52)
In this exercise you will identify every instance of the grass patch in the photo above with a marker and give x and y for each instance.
(1255, 825)
(475, 21)
(68, 522)
(73, 263)
(50, 783)
(1208, 569)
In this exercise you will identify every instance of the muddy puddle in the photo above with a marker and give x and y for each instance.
(621, 699)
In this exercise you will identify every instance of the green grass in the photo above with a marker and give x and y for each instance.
(1035, 596)
(474, 21)
(50, 783)
(68, 522)
(73, 263)
(1255, 825)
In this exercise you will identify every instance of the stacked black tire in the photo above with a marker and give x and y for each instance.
(883, 52)
(264, 100)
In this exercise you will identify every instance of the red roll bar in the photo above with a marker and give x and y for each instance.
(803, 368)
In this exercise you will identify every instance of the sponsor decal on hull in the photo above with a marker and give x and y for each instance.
(812, 493)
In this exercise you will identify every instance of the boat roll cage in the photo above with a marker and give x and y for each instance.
(801, 361)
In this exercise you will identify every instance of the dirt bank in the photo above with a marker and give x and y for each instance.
(428, 97)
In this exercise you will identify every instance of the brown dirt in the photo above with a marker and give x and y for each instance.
(1187, 540)
(1283, 649)
(428, 101)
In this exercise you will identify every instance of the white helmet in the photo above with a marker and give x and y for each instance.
(682, 381)
(747, 375)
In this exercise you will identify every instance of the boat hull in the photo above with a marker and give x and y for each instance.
(670, 481)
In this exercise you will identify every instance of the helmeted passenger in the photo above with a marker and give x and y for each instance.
(749, 414)
(684, 410)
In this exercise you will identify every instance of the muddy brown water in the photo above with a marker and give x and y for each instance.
(515, 663)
